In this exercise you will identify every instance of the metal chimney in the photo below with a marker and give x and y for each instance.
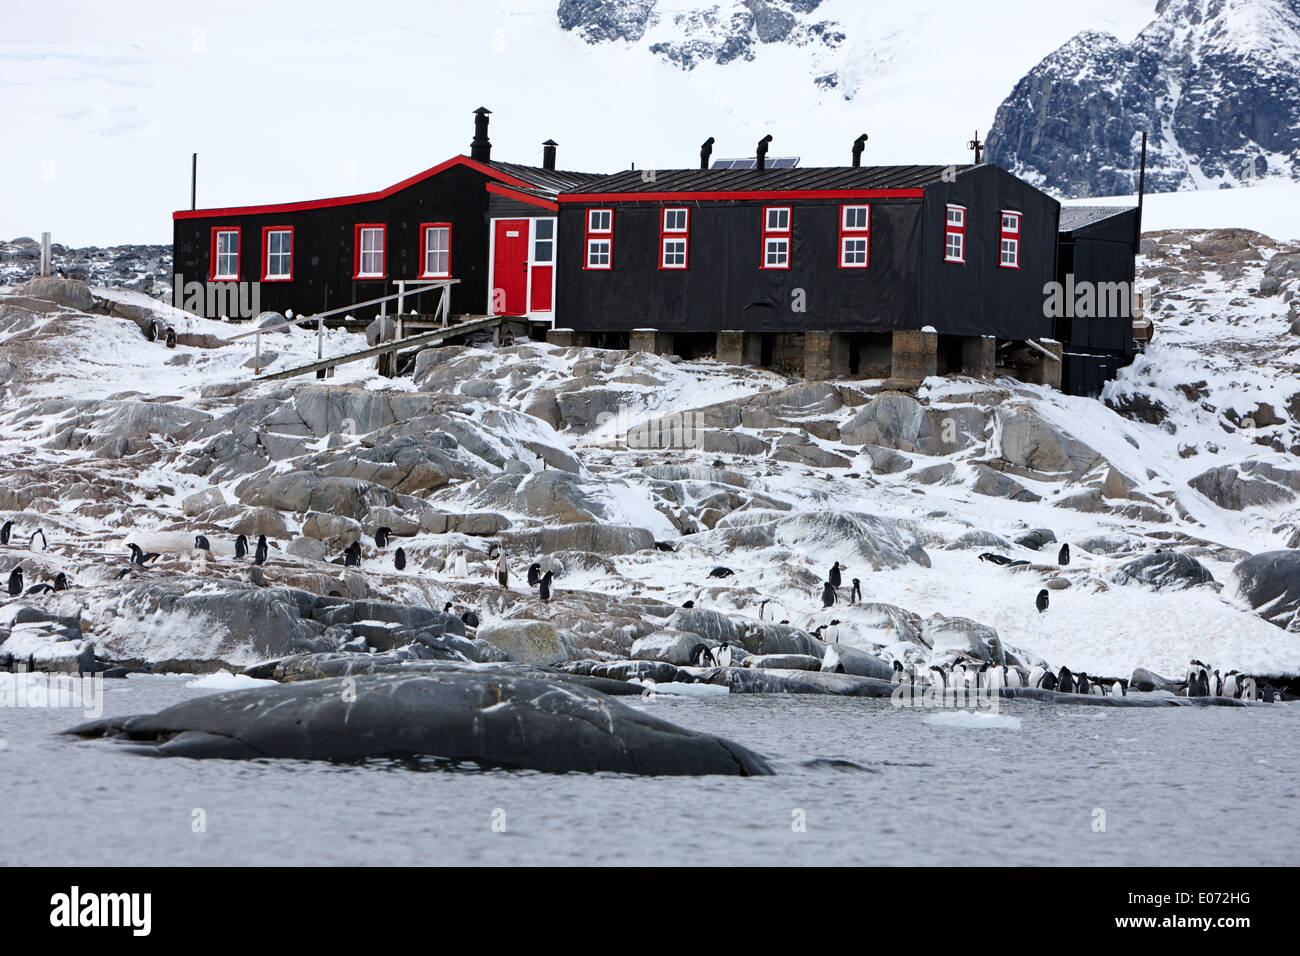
(548, 154)
(480, 148)
(706, 150)
(761, 155)
(859, 145)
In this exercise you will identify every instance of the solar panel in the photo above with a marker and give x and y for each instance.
(776, 162)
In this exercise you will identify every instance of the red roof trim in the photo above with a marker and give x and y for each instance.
(752, 194)
(522, 197)
(352, 200)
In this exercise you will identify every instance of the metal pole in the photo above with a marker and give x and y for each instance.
(45, 253)
(320, 337)
(257, 359)
(401, 305)
(194, 180)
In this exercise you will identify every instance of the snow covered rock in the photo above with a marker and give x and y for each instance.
(842, 659)
(1270, 583)
(978, 640)
(1163, 570)
(852, 538)
(528, 642)
(71, 293)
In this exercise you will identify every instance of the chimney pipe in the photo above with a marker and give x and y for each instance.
(859, 145)
(548, 154)
(761, 155)
(480, 148)
(706, 150)
(1142, 188)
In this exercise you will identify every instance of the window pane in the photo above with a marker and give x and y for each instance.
(542, 251)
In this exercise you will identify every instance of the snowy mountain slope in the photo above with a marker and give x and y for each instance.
(1214, 83)
(288, 101)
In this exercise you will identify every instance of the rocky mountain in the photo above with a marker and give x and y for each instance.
(1215, 84)
(719, 33)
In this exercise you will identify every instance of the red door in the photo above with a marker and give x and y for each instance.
(510, 268)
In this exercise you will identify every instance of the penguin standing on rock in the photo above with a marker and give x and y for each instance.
(31, 544)
(503, 570)
(1063, 557)
(259, 556)
(241, 546)
(170, 340)
(1065, 681)
(399, 560)
(856, 596)
(545, 586)
(381, 536)
(140, 557)
(719, 656)
(16, 581)
(834, 576)
(1081, 684)
(201, 543)
(459, 564)
(534, 574)
(721, 572)
(5, 531)
(828, 594)
(351, 557)
(1042, 601)
(60, 582)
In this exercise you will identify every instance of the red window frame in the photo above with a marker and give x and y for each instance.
(383, 252)
(855, 232)
(266, 253)
(212, 254)
(778, 232)
(951, 229)
(604, 235)
(424, 250)
(1006, 234)
(682, 235)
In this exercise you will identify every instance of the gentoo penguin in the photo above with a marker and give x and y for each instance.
(1231, 685)
(992, 558)
(762, 608)
(1065, 681)
(1048, 681)
(1081, 683)
(534, 574)
(720, 656)
(898, 672)
(856, 596)
(259, 555)
(470, 619)
(351, 557)
(700, 655)
(5, 531)
(937, 678)
(1248, 691)
(1042, 601)
(459, 564)
(16, 582)
(1216, 685)
(140, 557)
(834, 576)
(31, 544)
(688, 604)
(721, 572)
(503, 570)
(381, 536)
(60, 582)
(151, 333)
(544, 586)
(1063, 556)
(241, 546)
(1117, 690)
(201, 543)
(170, 340)
(1036, 676)
(38, 589)
(1012, 676)
(828, 594)
(399, 559)
(664, 546)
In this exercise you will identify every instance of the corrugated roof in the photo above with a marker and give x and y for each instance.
(549, 181)
(754, 180)
(1076, 217)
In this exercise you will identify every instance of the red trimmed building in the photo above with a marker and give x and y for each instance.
(488, 224)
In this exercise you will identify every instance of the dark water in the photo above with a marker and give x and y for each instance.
(1177, 786)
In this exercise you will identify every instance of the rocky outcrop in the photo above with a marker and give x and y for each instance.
(1163, 570)
(493, 721)
(1270, 583)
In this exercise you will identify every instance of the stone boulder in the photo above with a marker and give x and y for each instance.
(1270, 583)
(1030, 441)
(843, 659)
(852, 538)
(1247, 485)
(1163, 570)
(488, 719)
(528, 642)
(598, 538)
(71, 293)
(962, 634)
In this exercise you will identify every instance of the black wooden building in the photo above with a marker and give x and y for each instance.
(482, 222)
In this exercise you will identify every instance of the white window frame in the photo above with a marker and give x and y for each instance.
(605, 215)
(365, 233)
(767, 219)
(431, 251)
(594, 252)
(677, 245)
(770, 245)
(1012, 246)
(685, 219)
(549, 240)
(844, 219)
(954, 242)
(227, 253)
(864, 252)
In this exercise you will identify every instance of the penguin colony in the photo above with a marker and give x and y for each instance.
(965, 673)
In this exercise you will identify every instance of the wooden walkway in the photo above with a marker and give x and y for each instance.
(422, 340)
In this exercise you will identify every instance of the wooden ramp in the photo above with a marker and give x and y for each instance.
(423, 340)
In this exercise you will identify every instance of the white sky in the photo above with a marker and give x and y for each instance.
(104, 102)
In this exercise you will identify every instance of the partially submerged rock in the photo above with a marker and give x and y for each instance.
(460, 717)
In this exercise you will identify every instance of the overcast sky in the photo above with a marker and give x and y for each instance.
(104, 102)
